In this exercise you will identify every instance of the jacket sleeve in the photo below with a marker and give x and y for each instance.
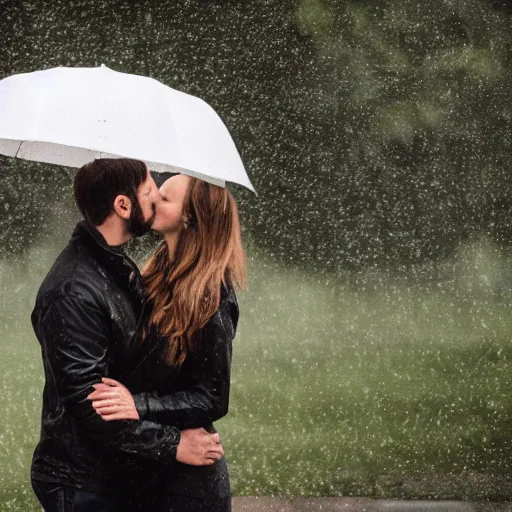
(207, 400)
(76, 347)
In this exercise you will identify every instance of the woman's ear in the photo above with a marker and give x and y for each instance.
(123, 206)
(187, 221)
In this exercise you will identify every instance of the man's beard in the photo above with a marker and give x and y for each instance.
(137, 226)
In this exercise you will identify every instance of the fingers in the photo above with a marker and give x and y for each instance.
(213, 455)
(102, 387)
(218, 450)
(107, 385)
(104, 395)
(111, 402)
(117, 412)
(198, 447)
(214, 450)
(112, 417)
(121, 416)
(111, 382)
(214, 437)
(107, 409)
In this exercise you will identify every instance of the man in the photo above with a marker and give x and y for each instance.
(85, 318)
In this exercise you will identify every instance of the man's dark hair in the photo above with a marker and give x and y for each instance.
(98, 183)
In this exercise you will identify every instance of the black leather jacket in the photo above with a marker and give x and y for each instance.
(196, 395)
(85, 318)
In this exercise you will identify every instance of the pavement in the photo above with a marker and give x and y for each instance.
(270, 504)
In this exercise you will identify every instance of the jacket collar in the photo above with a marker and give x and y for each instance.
(116, 261)
(85, 229)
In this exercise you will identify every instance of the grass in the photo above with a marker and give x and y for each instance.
(339, 386)
(334, 388)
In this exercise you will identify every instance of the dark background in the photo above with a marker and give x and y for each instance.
(377, 133)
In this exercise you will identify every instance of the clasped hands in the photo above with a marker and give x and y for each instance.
(113, 401)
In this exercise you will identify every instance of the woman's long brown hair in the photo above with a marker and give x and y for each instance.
(185, 293)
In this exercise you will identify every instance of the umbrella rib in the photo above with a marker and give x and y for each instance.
(18, 150)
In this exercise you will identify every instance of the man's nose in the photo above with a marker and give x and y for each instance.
(156, 196)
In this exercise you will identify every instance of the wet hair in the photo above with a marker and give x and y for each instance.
(185, 292)
(98, 183)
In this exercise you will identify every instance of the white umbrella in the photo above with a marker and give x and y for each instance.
(70, 116)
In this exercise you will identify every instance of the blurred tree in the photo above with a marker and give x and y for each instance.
(416, 94)
(377, 133)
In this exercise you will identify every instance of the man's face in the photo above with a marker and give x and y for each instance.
(143, 209)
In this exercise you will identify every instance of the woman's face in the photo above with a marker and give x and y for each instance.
(169, 208)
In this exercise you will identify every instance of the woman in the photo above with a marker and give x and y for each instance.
(189, 321)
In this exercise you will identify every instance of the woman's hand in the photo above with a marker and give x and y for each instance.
(113, 401)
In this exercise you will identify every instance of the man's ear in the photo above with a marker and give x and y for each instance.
(123, 206)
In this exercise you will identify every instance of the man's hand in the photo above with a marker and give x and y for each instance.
(113, 401)
(198, 447)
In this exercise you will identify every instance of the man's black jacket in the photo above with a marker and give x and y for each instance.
(85, 318)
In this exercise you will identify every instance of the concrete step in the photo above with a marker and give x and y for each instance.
(270, 504)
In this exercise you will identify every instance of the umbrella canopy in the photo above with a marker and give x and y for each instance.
(70, 116)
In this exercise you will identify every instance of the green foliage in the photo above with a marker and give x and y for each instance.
(336, 390)
(377, 133)
(420, 112)
(35, 199)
